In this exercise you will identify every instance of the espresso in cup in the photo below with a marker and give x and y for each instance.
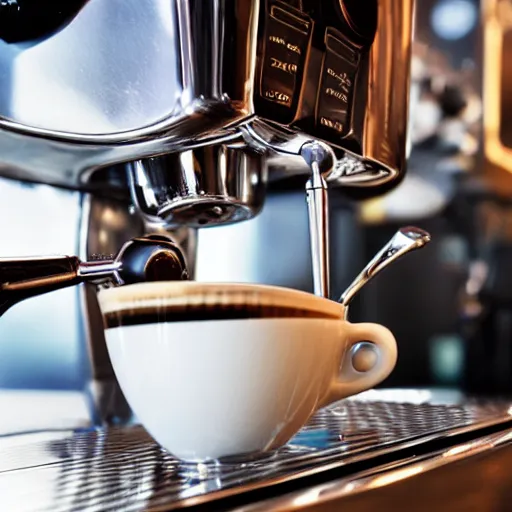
(217, 370)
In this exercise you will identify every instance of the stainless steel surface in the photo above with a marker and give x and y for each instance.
(332, 494)
(123, 469)
(318, 203)
(160, 77)
(405, 240)
(218, 184)
(320, 161)
(99, 270)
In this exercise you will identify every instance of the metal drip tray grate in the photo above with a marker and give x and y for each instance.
(122, 469)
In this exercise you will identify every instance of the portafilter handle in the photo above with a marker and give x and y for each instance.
(148, 258)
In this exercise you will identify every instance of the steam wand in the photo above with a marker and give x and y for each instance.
(320, 160)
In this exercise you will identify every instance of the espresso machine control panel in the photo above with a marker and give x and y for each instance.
(310, 60)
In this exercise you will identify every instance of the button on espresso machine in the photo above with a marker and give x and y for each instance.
(175, 115)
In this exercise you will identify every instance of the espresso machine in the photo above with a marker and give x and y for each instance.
(169, 117)
(132, 119)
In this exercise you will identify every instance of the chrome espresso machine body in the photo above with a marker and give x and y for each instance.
(131, 82)
(188, 110)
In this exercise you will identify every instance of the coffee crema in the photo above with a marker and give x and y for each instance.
(160, 302)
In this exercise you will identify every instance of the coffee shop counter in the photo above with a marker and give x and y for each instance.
(384, 449)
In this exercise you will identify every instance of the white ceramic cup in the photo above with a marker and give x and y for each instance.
(215, 370)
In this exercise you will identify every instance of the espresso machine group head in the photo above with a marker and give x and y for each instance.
(191, 109)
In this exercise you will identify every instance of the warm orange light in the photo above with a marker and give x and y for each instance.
(497, 22)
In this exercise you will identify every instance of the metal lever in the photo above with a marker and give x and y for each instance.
(320, 160)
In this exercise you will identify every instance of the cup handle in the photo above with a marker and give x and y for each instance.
(370, 357)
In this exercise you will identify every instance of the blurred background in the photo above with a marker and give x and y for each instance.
(449, 305)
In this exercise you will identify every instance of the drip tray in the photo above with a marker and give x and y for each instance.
(122, 469)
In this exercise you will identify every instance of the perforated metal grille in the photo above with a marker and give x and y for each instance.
(124, 470)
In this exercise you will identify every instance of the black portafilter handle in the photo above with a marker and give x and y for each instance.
(147, 258)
